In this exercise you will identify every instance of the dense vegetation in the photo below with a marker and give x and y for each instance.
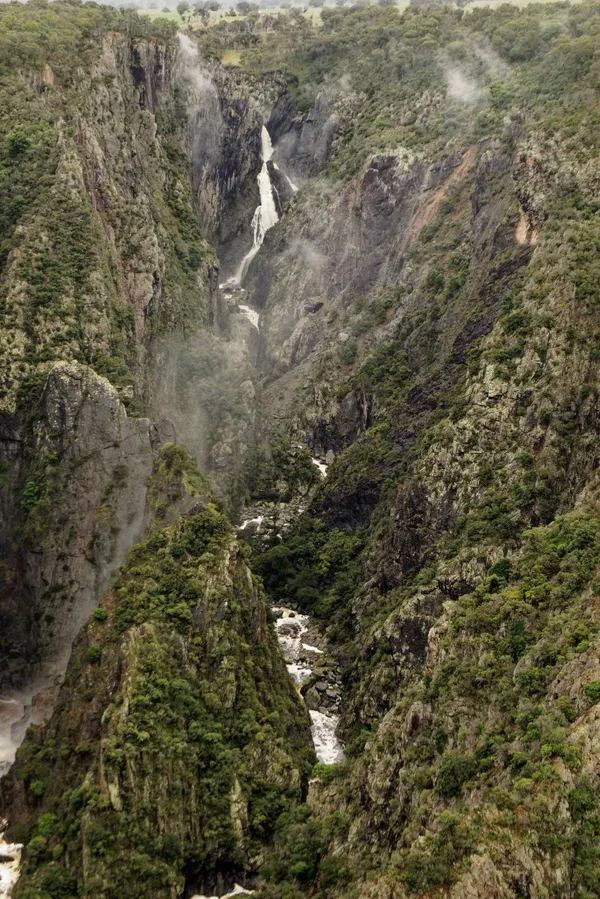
(74, 297)
(461, 596)
(178, 738)
(451, 554)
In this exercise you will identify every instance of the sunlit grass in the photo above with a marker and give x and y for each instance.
(231, 58)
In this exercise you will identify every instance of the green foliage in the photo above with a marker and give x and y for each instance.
(592, 690)
(282, 473)
(46, 824)
(94, 653)
(312, 567)
(169, 588)
(31, 496)
(175, 477)
(300, 842)
(454, 770)
(392, 56)
(327, 774)
(194, 697)
(438, 865)
(199, 711)
(385, 372)
(37, 789)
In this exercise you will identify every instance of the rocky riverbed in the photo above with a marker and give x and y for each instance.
(316, 676)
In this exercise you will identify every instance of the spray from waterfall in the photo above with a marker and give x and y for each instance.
(265, 215)
(293, 187)
(205, 118)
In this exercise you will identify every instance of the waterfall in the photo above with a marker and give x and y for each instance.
(265, 215)
(299, 656)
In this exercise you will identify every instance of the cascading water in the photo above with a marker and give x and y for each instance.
(10, 861)
(265, 215)
(300, 658)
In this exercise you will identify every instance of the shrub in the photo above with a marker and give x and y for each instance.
(327, 773)
(592, 690)
(18, 143)
(46, 824)
(36, 849)
(37, 789)
(454, 770)
(100, 614)
(31, 496)
(58, 883)
(94, 653)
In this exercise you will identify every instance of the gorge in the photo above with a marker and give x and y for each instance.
(299, 452)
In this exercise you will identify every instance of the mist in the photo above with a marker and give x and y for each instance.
(204, 107)
(307, 252)
(461, 88)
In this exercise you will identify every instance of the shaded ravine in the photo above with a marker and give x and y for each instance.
(302, 644)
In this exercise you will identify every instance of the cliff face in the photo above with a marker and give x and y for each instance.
(85, 264)
(109, 304)
(442, 353)
(82, 507)
(428, 325)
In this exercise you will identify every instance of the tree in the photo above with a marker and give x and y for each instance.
(182, 8)
(245, 8)
(201, 10)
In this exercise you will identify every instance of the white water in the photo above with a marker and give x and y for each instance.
(290, 628)
(265, 215)
(236, 891)
(257, 521)
(321, 466)
(327, 746)
(310, 648)
(10, 862)
(251, 314)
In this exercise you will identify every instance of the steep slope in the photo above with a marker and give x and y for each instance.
(109, 307)
(468, 638)
(92, 247)
(178, 736)
(428, 325)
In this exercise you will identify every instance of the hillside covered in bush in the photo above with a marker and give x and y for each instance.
(420, 321)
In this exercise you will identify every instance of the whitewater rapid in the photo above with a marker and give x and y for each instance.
(236, 891)
(10, 862)
(291, 627)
